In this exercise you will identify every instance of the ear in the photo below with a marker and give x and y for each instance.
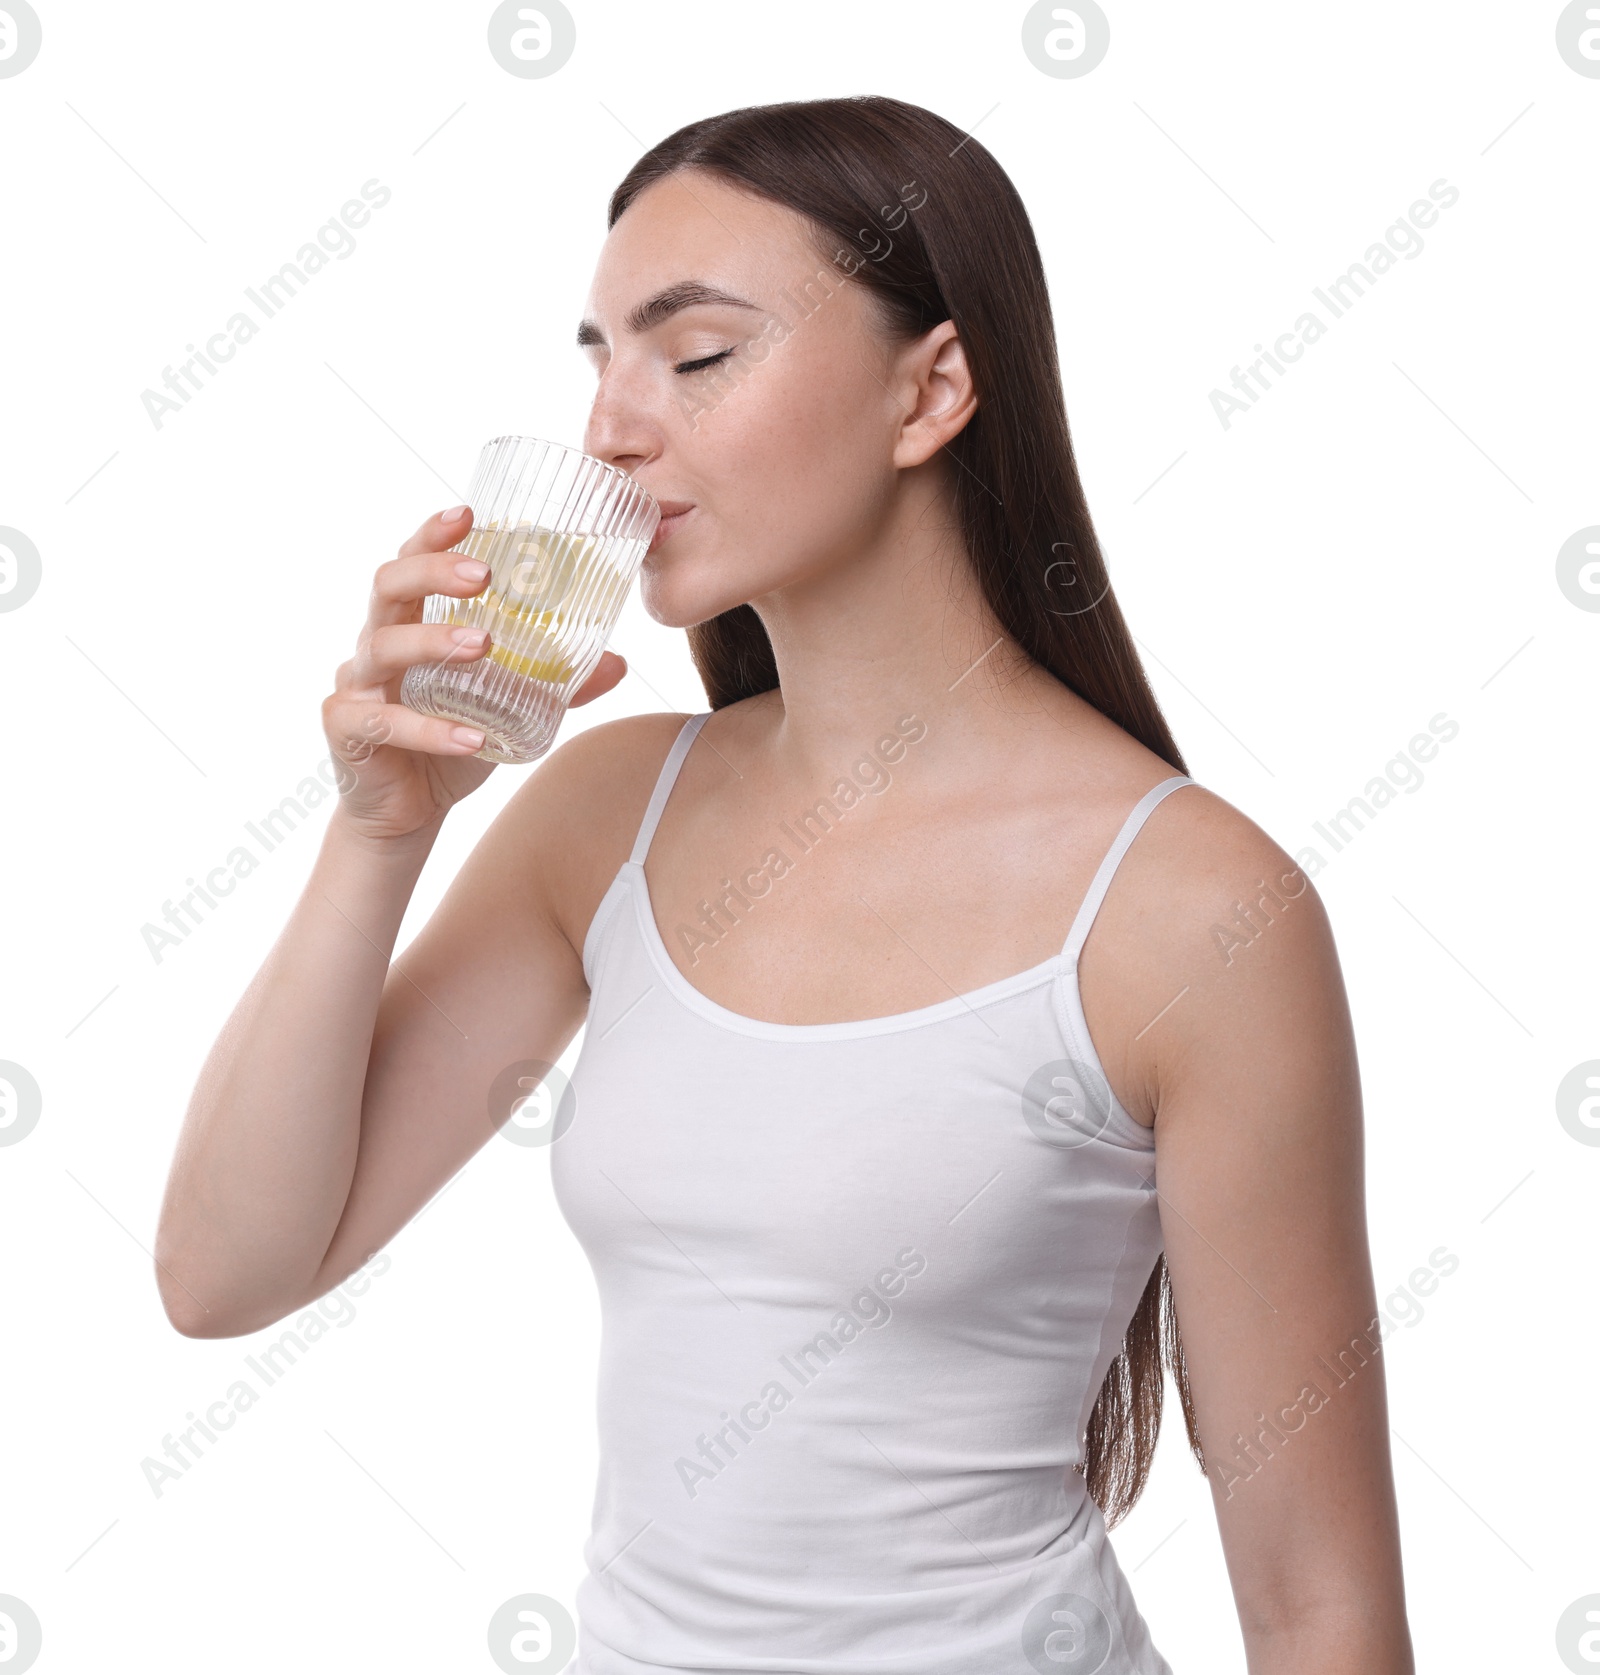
(932, 382)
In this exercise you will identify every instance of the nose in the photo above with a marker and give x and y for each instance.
(619, 429)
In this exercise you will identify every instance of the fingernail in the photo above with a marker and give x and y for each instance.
(472, 569)
(469, 636)
(453, 514)
(468, 736)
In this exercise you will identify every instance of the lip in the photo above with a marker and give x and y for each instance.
(673, 512)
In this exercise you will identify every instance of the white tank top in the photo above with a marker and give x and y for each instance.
(860, 1284)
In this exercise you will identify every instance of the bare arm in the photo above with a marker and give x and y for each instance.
(263, 1161)
(343, 1092)
(1259, 1156)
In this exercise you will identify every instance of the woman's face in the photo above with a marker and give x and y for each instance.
(777, 415)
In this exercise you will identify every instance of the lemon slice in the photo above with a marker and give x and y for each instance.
(543, 566)
(553, 669)
(534, 575)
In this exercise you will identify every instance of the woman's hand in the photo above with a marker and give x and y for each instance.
(401, 771)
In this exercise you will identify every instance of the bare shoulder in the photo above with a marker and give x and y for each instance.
(1198, 852)
(1212, 944)
(581, 806)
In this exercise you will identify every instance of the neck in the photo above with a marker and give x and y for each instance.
(894, 628)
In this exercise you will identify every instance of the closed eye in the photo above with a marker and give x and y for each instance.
(700, 365)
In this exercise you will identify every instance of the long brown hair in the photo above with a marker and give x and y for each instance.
(904, 203)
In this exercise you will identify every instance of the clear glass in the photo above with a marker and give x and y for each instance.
(563, 535)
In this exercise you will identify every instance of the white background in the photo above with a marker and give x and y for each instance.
(1372, 545)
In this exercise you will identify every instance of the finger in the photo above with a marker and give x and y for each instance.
(437, 533)
(400, 586)
(357, 728)
(605, 675)
(390, 650)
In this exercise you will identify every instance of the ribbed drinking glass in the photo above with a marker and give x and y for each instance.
(563, 535)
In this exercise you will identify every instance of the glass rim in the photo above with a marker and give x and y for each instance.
(567, 448)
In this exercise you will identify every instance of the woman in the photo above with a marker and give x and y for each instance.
(863, 1137)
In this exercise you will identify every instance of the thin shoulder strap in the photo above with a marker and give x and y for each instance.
(669, 772)
(1079, 934)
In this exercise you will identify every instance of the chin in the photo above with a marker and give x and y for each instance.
(677, 592)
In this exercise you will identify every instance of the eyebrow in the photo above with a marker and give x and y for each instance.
(687, 293)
